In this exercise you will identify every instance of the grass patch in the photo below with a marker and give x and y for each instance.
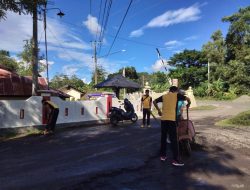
(242, 119)
(208, 107)
(16, 133)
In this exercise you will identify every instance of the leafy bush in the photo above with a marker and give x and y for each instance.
(240, 119)
(218, 90)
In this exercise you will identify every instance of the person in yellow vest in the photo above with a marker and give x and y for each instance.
(146, 103)
(168, 122)
(51, 114)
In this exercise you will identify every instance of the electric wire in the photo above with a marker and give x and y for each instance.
(105, 26)
(104, 11)
(60, 44)
(41, 35)
(97, 29)
(138, 42)
(118, 37)
(120, 27)
(90, 12)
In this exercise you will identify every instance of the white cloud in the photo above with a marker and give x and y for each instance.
(136, 33)
(172, 44)
(43, 61)
(85, 62)
(177, 51)
(92, 25)
(14, 30)
(17, 28)
(158, 66)
(70, 69)
(63, 43)
(174, 17)
(190, 38)
(168, 18)
(86, 81)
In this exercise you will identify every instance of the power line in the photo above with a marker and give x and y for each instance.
(41, 35)
(97, 29)
(90, 7)
(138, 42)
(103, 19)
(90, 12)
(120, 27)
(121, 38)
(105, 25)
(60, 45)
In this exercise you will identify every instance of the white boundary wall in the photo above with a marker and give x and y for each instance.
(11, 111)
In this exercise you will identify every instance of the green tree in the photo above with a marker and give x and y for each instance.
(7, 61)
(188, 58)
(25, 65)
(143, 78)
(238, 36)
(215, 49)
(215, 53)
(190, 68)
(187, 77)
(130, 72)
(60, 80)
(20, 6)
(159, 81)
(101, 75)
(238, 50)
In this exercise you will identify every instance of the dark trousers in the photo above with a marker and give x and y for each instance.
(52, 120)
(169, 127)
(146, 113)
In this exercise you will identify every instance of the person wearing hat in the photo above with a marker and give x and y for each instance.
(146, 103)
(51, 114)
(168, 122)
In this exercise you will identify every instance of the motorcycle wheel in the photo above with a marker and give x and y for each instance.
(114, 121)
(134, 118)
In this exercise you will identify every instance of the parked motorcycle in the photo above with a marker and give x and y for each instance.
(116, 115)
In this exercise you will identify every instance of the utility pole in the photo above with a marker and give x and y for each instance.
(124, 75)
(95, 60)
(143, 79)
(45, 40)
(208, 77)
(34, 52)
(61, 14)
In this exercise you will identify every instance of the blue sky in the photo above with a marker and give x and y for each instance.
(170, 25)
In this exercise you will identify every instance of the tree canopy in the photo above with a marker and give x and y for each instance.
(61, 80)
(20, 6)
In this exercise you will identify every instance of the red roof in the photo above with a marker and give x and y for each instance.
(11, 84)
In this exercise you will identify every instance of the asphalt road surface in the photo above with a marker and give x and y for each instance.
(127, 158)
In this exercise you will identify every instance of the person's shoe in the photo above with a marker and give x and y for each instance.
(163, 158)
(142, 126)
(46, 132)
(177, 163)
(149, 126)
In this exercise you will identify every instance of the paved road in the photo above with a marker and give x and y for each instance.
(125, 157)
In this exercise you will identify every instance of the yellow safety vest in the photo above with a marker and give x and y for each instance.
(169, 103)
(146, 103)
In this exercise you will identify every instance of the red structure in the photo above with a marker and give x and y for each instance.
(14, 86)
